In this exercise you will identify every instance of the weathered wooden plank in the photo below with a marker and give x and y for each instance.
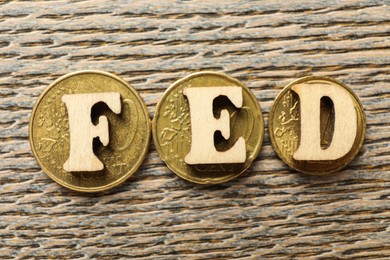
(269, 212)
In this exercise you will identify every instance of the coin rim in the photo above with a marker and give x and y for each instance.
(124, 177)
(272, 112)
(177, 83)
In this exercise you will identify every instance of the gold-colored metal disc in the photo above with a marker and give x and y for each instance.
(129, 131)
(172, 129)
(284, 128)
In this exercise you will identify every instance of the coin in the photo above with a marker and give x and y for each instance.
(285, 126)
(129, 131)
(172, 128)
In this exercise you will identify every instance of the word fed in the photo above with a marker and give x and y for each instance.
(90, 130)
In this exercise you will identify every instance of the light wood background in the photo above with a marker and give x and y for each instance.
(269, 212)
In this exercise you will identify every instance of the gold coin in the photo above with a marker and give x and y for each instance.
(172, 129)
(285, 127)
(129, 131)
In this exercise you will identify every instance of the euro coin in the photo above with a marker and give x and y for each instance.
(126, 143)
(172, 128)
(318, 124)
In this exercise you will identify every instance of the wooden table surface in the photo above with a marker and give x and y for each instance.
(271, 211)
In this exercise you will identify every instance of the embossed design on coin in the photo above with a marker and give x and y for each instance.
(172, 128)
(288, 116)
(285, 126)
(129, 131)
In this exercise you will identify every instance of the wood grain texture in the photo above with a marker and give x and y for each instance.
(269, 212)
